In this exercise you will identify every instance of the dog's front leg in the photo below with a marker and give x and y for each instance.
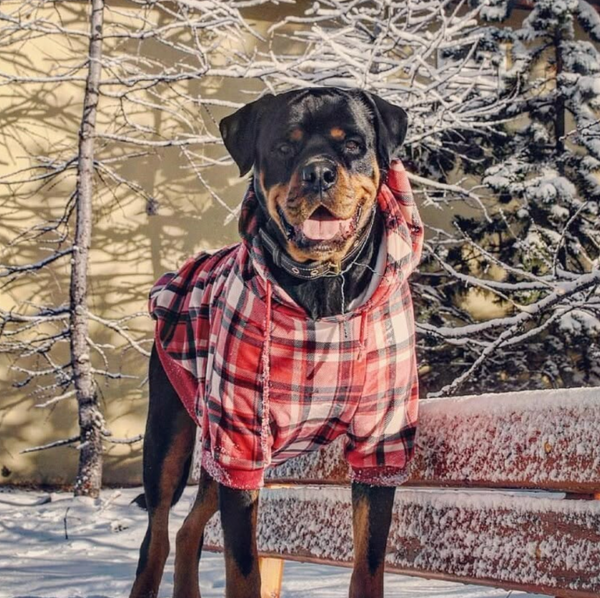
(239, 512)
(190, 538)
(371, 517)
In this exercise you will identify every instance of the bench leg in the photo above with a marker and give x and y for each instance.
(271, 574)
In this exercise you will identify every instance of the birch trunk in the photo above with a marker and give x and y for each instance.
(89, 474)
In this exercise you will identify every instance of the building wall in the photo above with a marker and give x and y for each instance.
(131, 248)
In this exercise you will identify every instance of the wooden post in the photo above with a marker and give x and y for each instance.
(271, 575)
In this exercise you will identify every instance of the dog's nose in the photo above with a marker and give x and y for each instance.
(319, 175)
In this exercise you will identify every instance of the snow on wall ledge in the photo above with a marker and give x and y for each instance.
(510, 540)
(536, 439)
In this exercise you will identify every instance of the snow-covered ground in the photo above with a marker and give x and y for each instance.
(68, 548)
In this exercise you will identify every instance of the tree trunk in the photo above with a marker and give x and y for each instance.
(89, 474)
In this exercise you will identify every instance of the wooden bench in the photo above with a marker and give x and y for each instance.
(472, 511)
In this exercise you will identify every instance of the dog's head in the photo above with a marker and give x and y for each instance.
(318, 157)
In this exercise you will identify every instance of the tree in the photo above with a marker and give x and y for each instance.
(537, 255)
(129, 62)
(91, 422)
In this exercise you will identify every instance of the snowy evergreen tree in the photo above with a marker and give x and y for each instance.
(537, 251)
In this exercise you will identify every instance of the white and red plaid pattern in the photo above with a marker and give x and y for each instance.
(266, 383)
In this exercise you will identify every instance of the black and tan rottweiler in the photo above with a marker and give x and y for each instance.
(319, 157)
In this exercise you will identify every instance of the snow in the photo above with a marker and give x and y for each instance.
(514, 539)
(99, 557)
(589, 17)
(578, 321)
(542, 438)
(559, 212)
(550, 187)
(495, 12)
(508, 538)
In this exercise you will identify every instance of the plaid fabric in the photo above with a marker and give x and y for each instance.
(266, 383)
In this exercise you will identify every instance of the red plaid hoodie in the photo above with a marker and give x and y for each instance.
(265, 383)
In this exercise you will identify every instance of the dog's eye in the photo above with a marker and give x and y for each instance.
(352, 146)
(285, 149)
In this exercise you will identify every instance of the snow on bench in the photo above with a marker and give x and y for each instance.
(543, 440)
(536, 439)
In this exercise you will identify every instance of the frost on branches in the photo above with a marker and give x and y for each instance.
(503, 122)
(100, 93)
(537, 251)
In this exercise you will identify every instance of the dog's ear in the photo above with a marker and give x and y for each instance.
(239, 132)
(391, 123)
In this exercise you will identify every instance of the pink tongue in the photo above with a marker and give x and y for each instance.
(323, 228)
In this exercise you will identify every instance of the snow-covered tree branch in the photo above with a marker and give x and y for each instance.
(503, 150)
(130, 62)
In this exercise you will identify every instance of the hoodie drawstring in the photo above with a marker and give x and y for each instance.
(362, 343)
(266, 379)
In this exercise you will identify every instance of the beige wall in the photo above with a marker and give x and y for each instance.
(130, 249)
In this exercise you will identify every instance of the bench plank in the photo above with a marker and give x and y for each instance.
(538, 440)
(515, 541)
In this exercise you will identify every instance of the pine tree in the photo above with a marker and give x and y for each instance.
(536, 254)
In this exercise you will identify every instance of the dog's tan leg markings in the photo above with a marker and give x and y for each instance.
(239, 513)
(188, 545)
(155, 547)
(156, 542)
(371, 518)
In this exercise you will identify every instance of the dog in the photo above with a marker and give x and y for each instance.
(300, 333)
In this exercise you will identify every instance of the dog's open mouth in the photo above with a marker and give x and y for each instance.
(322, 227)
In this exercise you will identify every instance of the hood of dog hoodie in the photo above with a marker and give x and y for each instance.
(266, 383)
